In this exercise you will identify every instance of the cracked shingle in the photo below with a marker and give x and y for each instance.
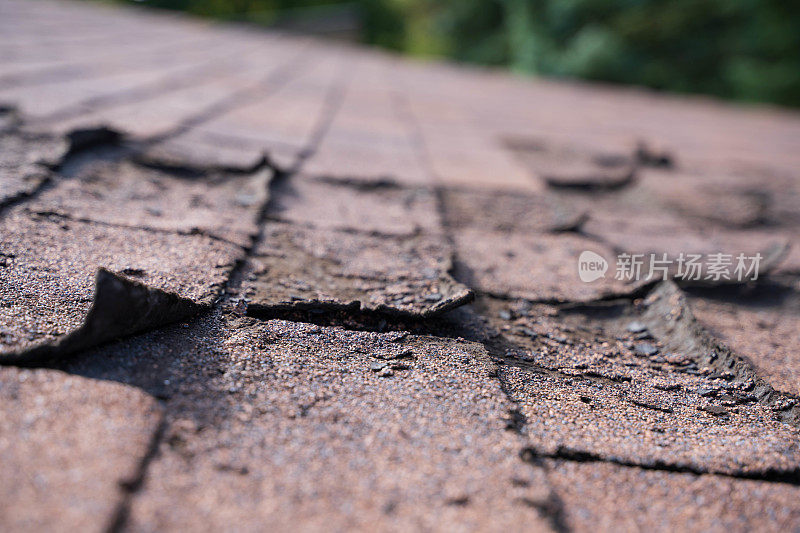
(25, 162)
(49, 265)
(529, 265)
(762, 326)
(684, 403)
(659, 429)
(301, 268)
(288, 425)
(382, 208)
(123, 193)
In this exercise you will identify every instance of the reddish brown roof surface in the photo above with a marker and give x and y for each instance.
(253, 281)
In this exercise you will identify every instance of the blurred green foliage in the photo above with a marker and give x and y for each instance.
(741, 49)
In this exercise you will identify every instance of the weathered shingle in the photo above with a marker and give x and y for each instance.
(168, 187)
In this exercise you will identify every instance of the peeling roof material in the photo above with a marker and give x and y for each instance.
(276, 280)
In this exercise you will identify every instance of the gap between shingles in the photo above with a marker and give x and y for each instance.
(119, 519)
(531, 455)
(130, 487)
(81, 142)
(148, 229)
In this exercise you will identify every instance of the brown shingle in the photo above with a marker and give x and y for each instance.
(401, 188)
(69, 447)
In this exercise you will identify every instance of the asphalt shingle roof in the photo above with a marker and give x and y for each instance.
(271, 282)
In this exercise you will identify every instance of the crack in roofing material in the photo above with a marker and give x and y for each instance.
(377, 412)
(120, 307)
(606, 496)
(224, 206)
(760, 322)
(744, 442)
(428, 428)
(669, 316)
(297, 268)
(530, 454)
(585, 391)
(68, 444)
(26, 162)
(49, 266)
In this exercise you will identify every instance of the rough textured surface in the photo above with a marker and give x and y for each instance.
(49, 268)
(70, 445)
(630, 424)
(535, 266)
(320, 428)
(25, 163)
(300, 268)
(381, 208)
(216, 204)
(606, 497)
(762, 325)
(120, 307)
(281, 250)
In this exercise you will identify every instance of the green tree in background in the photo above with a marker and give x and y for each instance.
(742, 49)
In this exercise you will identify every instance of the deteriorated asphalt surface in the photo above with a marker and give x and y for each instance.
(253, 281)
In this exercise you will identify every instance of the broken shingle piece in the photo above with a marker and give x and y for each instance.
(70, 445)
(379, 207)
(631, 424)
(592, 392)
(49, 266)
(657, 342)
(583, 343)
(762, 327)
(301, 268)
(541, 267)
(225, 206)
(120, 306)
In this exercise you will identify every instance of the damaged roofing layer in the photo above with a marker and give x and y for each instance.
(277, 280)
